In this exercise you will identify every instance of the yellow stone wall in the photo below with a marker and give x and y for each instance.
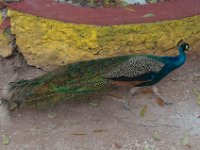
(50, 42)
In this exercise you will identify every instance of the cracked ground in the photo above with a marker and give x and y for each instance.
(108, 125)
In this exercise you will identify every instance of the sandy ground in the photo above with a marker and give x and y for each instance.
(109, 126)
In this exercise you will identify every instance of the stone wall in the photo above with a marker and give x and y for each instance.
(50, 42)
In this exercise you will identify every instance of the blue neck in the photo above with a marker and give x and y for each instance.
(181, 57)
(177, 61)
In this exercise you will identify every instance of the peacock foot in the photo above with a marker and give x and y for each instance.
(160, 99)
(127, 106)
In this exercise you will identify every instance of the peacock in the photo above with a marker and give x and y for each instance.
(84, 78)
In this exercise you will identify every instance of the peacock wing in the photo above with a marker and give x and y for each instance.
(136, 68)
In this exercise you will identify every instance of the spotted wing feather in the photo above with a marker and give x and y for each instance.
(139, 66)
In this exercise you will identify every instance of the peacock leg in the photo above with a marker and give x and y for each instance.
(129, 97)
(157, 93)
(4, 112)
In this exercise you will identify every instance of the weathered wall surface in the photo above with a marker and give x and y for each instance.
(49, 42)
(5, 34)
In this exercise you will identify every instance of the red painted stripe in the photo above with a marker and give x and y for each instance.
(5, 24)
(173, 9)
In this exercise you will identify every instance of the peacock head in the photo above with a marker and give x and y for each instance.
(182, 45)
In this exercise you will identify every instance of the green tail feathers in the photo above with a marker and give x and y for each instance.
(73, 80)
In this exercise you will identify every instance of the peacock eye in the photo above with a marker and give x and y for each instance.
(187, 47)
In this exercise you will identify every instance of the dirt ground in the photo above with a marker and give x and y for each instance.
(109, 126)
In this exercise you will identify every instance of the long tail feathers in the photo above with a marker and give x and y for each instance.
(38, 92)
